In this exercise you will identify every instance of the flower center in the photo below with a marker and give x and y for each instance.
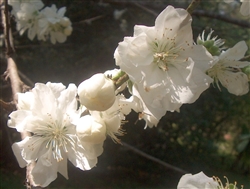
(165, 53)
(164, 59)
(57, 139)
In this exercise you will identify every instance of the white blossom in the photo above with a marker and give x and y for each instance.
(27, 19)
(54, 24)
(45, 23)
(197, 181)
(49, 116)
(162, 62)
(97, 93)
(16, 4)
(226, 69)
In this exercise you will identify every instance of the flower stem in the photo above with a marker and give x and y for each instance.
(120, 79)
(193, 5)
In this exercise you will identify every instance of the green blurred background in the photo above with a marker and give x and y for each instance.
(210, 135)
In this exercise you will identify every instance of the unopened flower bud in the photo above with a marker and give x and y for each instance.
(65, 22)
(67, 31)
(88, 130)
(97, 93)
(212, 44)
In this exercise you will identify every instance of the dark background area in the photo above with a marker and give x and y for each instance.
(204, 136)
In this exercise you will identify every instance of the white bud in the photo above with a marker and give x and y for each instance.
(65, 22)
(97, 93)
(88, 130)
(67, 31)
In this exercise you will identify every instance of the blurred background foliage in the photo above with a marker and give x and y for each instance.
(211, 135)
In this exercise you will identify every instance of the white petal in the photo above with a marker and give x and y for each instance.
(90, 131)
(236, 83)
(121, 60)
(18, 119)
(235, 53)
(25, 100)
(31, 33)
(77, 157)
(172, 19)
(67, 100)
(43, 174)
(140, 29)
(44, 100)
(60, 37)
(63, 167)
(149, 108)
(139, 51)
(197, 181)
(61, 12)
(33, 148)
(92, 151)
(201, 57)
(235, 63)
(52, 37)
(56, 88)
(17, 150)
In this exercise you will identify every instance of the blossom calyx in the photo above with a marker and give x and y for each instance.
(97, 93)
(212, 44)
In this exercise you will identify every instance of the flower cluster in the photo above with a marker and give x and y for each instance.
(46, 23)
(60, 130)
(163, 69)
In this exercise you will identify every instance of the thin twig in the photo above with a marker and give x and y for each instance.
(25, 78)
(145, 8)
(43, 46)
(89, 20)
(228, 19)
(193, 5)
(143, 154)
(121, 80)
(245, 58)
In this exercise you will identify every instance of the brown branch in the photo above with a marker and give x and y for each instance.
(7, 29)
(16, 83)
(227, 18)
(12, 74)
(8, 106)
